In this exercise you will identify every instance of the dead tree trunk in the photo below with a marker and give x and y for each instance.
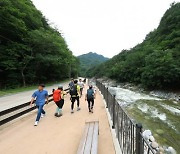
(23, 77)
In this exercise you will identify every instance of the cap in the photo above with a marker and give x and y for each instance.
(60, 86)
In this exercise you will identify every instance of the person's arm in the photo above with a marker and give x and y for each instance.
(62, 94)
(47, 98)
(78, 89)
(86, 97)
(32, 99)
(94, 94)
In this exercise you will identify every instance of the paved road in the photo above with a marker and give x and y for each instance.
(22, 97)
(56, 135)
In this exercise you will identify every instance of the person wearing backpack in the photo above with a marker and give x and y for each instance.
(90, 96)
(75, 93)
(71, 83)
(58, 97)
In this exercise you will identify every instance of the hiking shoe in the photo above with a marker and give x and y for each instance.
(72, 111)
(55, 114)
(59, 115)
(78, 108)
(36, 123)
(42, 115)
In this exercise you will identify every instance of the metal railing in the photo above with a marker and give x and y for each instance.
(128, 133)
(17, 111)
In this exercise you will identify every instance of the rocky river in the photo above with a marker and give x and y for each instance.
(158, 111)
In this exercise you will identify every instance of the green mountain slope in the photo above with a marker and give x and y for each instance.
(155, 63)
(30, 50)
(90, 60)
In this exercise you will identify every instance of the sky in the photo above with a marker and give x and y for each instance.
(103, 26)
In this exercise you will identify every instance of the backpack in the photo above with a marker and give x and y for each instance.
(73, 90)
(71, 84)
(57, 95)
(90, 94)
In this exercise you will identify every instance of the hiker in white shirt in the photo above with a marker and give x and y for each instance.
(81, 84)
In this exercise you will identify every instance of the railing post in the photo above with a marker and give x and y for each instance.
(117, 132)
(103, 91)
(114, 99)
(107, 98)
(101, 87)
(104, 87)
(139, 141)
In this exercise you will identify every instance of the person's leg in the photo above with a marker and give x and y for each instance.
(89, 105)
(81, 91)
(78, 103)
(42, 111)
(61, 103)
(40, 108)
(61, 106)
(57, 109)
(92, 105)
(72, 104)
(77, 98)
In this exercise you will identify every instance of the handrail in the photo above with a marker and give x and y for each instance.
(18, 107)
(129, 134)
(7, 111)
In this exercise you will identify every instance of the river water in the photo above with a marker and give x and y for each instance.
(160, 115)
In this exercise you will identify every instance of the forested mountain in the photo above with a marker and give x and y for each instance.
(155, 63)
(88, 61)
(30, 50)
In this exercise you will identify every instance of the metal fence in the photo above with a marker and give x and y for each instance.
(17, 111)
(128, 133)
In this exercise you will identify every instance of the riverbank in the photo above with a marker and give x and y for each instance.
(170, 94)
(159, 113)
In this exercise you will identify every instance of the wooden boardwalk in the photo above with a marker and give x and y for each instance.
(56, 135)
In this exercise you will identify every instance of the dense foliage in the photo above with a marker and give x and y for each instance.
(155, 63)
(88, 61)
(30, 50)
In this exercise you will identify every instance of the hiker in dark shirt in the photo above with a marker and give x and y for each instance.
(90, 96)
(71, 84)
(75, 94)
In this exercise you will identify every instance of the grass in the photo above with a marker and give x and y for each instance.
(4, 92)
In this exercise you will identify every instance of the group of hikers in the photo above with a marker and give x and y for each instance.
(75, 90)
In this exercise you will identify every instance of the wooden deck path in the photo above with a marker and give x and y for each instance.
(56, 135)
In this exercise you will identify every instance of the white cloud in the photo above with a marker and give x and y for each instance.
(103, 26)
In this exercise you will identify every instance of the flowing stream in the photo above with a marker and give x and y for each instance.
(160, 115)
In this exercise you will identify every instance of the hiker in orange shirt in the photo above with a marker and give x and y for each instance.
(58, 96)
